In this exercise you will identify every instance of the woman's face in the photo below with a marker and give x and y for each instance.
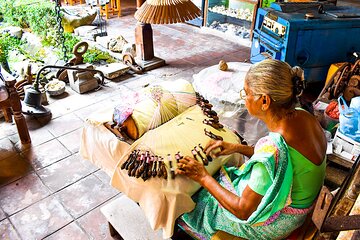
(252, 101)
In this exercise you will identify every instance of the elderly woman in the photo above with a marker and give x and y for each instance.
(271, 194)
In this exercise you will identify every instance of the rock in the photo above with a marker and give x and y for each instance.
(117, 44)
(13, 31)
(113, 70)
(87, 32)
(33, 45)
(76, 17)
(103, 41)
(129, 48)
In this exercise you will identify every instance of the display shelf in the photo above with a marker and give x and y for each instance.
(234, 17)
(213, 16)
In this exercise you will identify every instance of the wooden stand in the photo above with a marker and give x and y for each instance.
(145, 47)
(13, 103)
(144, 41)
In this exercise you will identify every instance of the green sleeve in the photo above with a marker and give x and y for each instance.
(260, 180)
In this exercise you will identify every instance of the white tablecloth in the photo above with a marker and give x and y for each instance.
(222, 89)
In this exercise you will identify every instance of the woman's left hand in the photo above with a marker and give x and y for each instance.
(192, 168)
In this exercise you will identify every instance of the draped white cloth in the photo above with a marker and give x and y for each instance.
(161, 200)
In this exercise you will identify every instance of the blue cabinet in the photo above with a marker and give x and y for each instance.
(300, 34)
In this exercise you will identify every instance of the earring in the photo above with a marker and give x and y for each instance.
(263, 108)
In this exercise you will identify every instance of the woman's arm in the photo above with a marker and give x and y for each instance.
(242, 207)
(227, 148)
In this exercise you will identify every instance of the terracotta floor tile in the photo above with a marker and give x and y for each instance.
(7, 148)
(76, 101)
(136, 84)
(13, 168)
(95, 224)
(173, 68)
(103, 176)
(64, 124)
(83, 195)
(72, 140)
(57, 109)
(65, 172)
(119, 94)
(22, 193)
(86, 111)
(195, 59)
(41, 219)
(71, 231)
(7, 231)
(2, 214)
(46, 154)
(96, 96)
(38, 136)
(7, 128)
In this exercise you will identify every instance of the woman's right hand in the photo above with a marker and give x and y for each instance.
(226, 148)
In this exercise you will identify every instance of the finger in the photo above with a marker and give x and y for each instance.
(180, 171)
(215, 145)
(222, 152)
(211, 142)
(189, 159)
(184, 160)
(181, 166)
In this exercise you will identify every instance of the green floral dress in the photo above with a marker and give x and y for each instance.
(274, 217)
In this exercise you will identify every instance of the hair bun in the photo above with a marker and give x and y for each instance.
(298, 80)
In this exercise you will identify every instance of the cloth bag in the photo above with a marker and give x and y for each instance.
(349, 120)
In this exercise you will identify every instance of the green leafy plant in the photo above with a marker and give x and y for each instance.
(92, 55)
(7, 43)
(39, 16)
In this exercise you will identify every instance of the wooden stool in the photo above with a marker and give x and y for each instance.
(72, 2)
(113, 6)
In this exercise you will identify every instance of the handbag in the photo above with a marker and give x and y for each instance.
(349, 120)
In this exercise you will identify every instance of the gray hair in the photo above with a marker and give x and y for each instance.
(278, 80)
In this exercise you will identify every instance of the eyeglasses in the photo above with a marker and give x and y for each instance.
(243, 94)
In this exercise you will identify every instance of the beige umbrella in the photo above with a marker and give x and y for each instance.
(167, 11)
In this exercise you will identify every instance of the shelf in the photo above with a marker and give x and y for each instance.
(213, 16)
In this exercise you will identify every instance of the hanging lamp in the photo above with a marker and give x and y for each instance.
(167, 11)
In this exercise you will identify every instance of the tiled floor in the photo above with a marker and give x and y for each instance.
(46, 189)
